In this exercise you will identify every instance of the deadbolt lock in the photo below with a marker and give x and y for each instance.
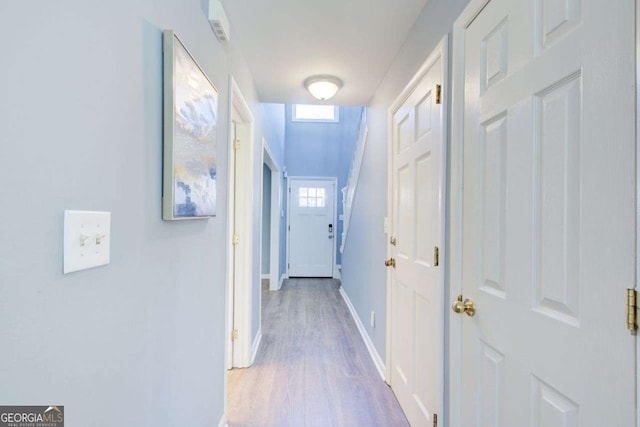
(390, 263)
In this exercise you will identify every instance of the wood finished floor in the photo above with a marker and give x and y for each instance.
(312, 368)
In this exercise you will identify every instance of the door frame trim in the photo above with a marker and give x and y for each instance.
(290, 179)
(440, 51)
(465, 19)
(274, 233)
(239, 297)
(637, 63)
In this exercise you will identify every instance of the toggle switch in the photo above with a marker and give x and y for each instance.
(83, 239)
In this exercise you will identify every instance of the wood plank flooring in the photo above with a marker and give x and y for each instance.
(312, 368)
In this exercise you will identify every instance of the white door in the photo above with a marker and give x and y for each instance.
(548, 199)
(312, 227)
(416, 238)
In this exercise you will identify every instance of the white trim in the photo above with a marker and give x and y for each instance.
(375, 357)
(256, 345)
(455, 208)
(350, 190)
(440, 52)
(240, 294)
(276, 206)
(223, 421)
(637, 26)
(264, 275)
(333, 179)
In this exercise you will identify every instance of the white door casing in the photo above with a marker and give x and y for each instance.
(415, 356)
(311, 230)
(543, 208)
(240, 223)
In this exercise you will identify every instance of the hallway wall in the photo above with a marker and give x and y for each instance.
(273, 123)
(323, 150)
(271, 120)
(363, 271)
(140, 341)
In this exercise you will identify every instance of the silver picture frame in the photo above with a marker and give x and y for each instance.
(189, 189)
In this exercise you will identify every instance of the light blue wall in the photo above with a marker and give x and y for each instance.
(266, 218)
(81, 119)
(323, 150)
(363, 272)
(273, 116)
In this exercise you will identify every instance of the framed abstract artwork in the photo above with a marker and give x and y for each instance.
(190, 126)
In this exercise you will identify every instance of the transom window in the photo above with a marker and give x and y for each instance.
(315, 113)
(311, 197)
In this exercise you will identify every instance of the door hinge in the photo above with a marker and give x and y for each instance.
(236, 144)
(632, 310)
(435, 420)
(438, 94)
(436, 256)
(236, 239)
(393, 241)
(234, 335)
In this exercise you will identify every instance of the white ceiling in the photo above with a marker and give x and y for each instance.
(286, 41)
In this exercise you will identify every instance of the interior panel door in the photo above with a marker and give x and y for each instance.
(416, 280)
(548, 214)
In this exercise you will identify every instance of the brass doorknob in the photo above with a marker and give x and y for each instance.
(469, 307)
(390, 263)
(457, 305)
(466, 306)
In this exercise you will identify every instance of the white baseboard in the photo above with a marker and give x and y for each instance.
(282, 278)
(256, 345)
(223, 421)
(377, 360)
(265, 276)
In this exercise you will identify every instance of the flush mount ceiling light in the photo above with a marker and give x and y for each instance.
(323, 87)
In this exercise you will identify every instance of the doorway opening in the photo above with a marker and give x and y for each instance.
(271, 215)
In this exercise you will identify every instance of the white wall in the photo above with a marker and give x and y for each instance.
(141, 341)
(363, 271)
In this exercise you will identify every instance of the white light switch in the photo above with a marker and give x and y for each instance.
(87, 239)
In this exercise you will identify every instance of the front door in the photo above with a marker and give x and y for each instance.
(416, 242)
(548, 226)
(312, 227)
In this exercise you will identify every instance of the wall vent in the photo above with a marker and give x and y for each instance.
(218, 20)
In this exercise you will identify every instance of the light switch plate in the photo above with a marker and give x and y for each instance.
(87, 240)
